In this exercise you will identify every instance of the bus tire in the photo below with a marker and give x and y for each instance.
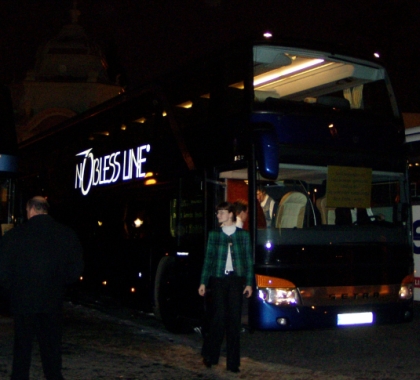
(166, 306)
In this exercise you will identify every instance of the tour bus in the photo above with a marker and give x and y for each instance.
(413, 156)
(8, 171)
(139, 177)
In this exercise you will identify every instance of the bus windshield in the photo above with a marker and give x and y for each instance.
(321, 205)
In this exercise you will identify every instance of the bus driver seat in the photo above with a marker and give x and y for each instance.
(327, 213)
(291, 210)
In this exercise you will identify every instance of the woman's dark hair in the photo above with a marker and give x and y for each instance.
(227, 206)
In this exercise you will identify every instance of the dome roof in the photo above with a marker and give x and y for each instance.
(70, 57)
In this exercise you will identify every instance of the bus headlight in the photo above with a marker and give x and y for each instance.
(277, 291)
(407, 288)
(279, 296)
(406, 291)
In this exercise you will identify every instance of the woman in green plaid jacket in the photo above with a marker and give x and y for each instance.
(228, 272)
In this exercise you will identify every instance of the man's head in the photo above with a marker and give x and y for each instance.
(261, 194)
(241, 209)
(36, 206)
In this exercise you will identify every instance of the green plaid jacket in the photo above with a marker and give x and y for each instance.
(216, 255)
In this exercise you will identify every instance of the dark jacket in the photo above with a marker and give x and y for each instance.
(37, 260)
(216, 255)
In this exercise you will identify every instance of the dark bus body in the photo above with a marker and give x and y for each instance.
(8, 160)
(139, 177)
(8, 171)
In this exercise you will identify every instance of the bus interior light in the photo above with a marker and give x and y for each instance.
(187, 104)
(137, 223)
(150, 182)
(273, 75)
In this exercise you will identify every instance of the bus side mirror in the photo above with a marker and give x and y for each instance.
(267, 152)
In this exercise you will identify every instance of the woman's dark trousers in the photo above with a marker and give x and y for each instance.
(226, 311)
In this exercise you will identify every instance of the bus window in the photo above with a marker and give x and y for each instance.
(186, 212)
(6, 204)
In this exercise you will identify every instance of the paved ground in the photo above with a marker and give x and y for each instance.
(99, 346)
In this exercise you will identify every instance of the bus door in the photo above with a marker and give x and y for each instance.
(177, 277)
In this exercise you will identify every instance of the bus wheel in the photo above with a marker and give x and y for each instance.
(165, 297)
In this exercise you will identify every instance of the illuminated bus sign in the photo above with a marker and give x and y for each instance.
(122, 165)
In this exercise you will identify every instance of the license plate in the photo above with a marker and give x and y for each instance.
(348, 319)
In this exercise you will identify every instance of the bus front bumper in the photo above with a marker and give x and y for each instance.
(265, 316)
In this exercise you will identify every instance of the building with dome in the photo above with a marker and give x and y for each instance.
(69, 77)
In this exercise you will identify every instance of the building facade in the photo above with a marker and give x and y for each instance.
(69, 77)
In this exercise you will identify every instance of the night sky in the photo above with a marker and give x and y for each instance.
(143, 38)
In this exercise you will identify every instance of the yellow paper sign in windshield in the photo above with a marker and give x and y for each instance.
(349, 187)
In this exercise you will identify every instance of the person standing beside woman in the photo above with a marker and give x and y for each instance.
(241, 211)
(228, 272)
(268, 204)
